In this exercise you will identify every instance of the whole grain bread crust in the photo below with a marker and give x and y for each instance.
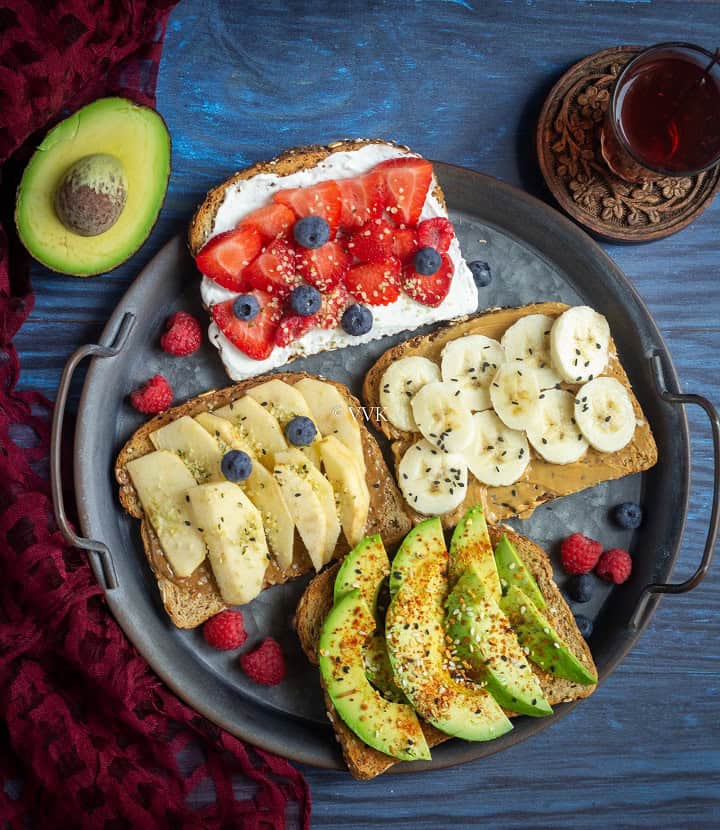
(287, 163)
(363, 761)
(541, 482)
(192, 600)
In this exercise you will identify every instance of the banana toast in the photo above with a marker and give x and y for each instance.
(363, 761)
(190, 600)
(541, 480)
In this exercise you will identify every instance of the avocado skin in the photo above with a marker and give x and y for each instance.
(535, 632)
(488, 649)
(513, 571)
(470, 544)
(26, 203)
(364, 568)
(392, 728)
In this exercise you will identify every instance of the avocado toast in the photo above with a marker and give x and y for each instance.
(366, 762)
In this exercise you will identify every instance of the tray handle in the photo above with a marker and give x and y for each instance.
(638, 616)
(107, 566)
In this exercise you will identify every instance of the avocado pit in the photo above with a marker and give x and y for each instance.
(92, 194)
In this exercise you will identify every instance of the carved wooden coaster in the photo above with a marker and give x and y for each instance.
(568, 148)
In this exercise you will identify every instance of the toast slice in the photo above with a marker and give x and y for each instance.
(363, 761)
(541, 481)
(227, 205)
(191, 600)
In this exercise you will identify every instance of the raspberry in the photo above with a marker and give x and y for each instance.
(225, 630)
(614, 565)
(266, 664)
(155, 396)
(182, 335)
(578, 554)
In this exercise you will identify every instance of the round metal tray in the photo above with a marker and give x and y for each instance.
(535, 254)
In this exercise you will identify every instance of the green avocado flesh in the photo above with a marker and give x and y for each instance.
(484, 644)
(379, 670)
(415, 634)
(364, 569)
(134, 135)
(512, 571)
(470, 545)
(540, 640)
(390, 727)
(425, 539)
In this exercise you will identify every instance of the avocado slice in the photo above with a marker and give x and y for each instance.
(513, 571)
(364, 568)
(539, 639)
(415, 634)
(133, 135)
(424, 539)
(379, 670)
(392, 728)
(484, 643)
(470, 544)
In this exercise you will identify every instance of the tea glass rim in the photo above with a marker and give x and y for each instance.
(675, 44)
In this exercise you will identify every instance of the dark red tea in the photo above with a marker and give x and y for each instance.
(667, 109)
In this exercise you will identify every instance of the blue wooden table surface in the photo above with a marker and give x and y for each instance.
(461, 82)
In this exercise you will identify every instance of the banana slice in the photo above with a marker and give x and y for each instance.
(431, 481)
(472, 362)
(498, 455)
(556, 436)
(605, 415)
(442, 416)
(514, 393)
(579, 341)
(399, 383)
(527, 342)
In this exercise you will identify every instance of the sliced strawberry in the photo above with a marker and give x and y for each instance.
(405, 243)
(291, 328)
(407, 181)
(274, 270)
(322, 199)
(334, 303)
(435, 233)
(373, 242)
(255, 337)
(323, 267)
(362, 199)
(375, 283)
(226, 256)
(272, 221)
(430, 290)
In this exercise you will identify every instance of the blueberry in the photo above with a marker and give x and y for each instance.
(357, 319)
(311, 231)
(627, 515)
(481, 273)
(236, 465)
(246, 307)
(427, 261)
(300, 431)
(584, 624)
(305, 300)
(580, 587)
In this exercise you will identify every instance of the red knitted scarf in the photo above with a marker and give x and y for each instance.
(89, 736)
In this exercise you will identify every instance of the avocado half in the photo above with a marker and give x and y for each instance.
(134, 134)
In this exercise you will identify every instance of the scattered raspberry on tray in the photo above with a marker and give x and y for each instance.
(614, 565)
(225, 630)
(265, 664)
(182, 335)
(155, 396)
(578, 554)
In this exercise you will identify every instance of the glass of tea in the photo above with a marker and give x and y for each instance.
(664, 116)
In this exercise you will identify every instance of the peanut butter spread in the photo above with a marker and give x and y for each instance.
(541, 481)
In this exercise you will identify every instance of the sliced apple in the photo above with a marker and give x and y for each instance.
(348, 482)
(233, 532)
(192, 444)
(258, 427)
(266, 494)
(225, 433)
(161, 481)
